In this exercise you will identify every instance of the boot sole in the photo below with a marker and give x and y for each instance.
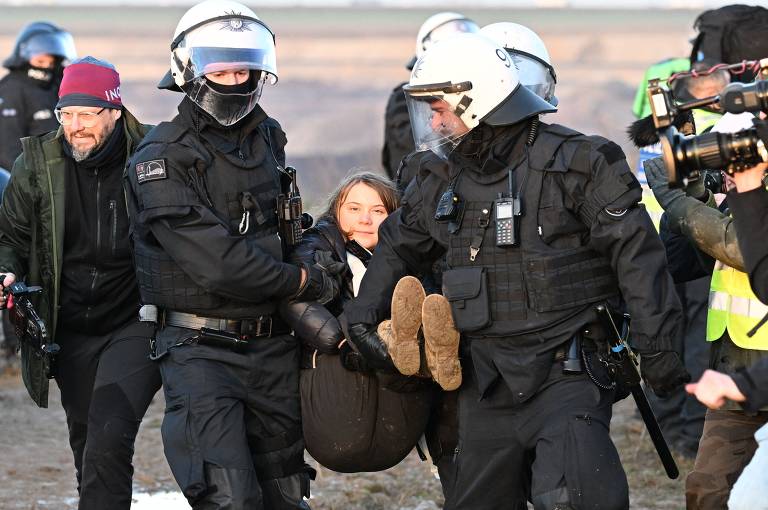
(407, 300)
(441, 342)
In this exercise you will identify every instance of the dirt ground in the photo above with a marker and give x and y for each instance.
(336, 70)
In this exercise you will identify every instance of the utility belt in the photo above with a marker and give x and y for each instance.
(226, 333)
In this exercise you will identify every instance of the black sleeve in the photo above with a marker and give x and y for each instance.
(17, 221)
(753, 383)
(750, 210)
(13, 124)
(405, 246)
(198, 240)
(623, 232)
(684, 261)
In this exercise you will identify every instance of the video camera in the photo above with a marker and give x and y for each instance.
(28, 325)
(685, 156)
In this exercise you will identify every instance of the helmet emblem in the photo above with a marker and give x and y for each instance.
(236, 24)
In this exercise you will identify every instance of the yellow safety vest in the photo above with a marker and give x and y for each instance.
(733, 306)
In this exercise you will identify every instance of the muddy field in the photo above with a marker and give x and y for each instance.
(336, 69)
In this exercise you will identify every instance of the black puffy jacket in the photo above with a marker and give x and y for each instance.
(320, 326)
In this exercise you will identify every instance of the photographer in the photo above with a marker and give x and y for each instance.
(727, 444)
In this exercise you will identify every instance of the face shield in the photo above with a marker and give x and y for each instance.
(435, 113)
(535, 75)
(58, 44)
(220, 46)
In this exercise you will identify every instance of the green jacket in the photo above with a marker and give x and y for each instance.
(32, 232)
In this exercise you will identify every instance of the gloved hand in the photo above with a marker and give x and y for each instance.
(322, 282)
(656, 174)
(351, 359)
(371, 346)
(663, 371)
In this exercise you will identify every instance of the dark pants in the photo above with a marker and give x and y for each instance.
(727, 445)
(549, 449)
(681, 416)
(107, 382)
(232, 427)
(376, 421)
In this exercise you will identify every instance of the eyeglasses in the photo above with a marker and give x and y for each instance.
(87, 119)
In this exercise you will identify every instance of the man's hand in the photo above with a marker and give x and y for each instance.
(714, 388)
(751, 178)
(8, 279)
(663, 371)
(656, 174)
(371, 346)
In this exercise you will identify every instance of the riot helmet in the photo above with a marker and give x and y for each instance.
(460, 82)
(439, 26)
(40, 38)
(529, 55)
(220, 36)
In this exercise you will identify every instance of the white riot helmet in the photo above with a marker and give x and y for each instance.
(439, 26)
(530, 56)
(215, 36)
(458, 83)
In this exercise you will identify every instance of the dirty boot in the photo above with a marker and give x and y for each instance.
(401, 333)
(441, 342)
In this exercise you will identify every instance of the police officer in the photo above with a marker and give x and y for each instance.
(398, 139)
(202, 191)
(538, 224)
(28, 93)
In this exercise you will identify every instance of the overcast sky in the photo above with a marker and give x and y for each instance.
(630, 4)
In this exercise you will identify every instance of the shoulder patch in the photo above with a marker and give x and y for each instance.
(612, 152)
(42, 115)
(152, 170)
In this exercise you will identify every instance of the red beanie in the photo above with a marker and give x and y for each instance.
(90, 82)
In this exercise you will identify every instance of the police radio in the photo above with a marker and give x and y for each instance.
(291, 217)
(507, 211)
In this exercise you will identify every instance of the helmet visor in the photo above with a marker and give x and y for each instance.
(457, 26)
(534, 76)
(436, 126)
(226, 108)
(59, 44)
(227, 45)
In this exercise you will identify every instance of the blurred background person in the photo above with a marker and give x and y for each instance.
(28, 96)
(398, 138)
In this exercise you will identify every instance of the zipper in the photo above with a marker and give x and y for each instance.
(98, 212)
(113, 215)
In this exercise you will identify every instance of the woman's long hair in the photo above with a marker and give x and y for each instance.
(384, 187)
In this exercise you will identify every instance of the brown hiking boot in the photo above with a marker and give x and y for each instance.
(441, 342)
(401, 333)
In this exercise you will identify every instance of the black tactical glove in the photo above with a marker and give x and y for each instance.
(351, 359)
(322, 282)
(663, 371)
(371, 346)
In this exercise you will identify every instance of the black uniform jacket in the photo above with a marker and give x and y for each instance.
(398, 137)
(595, 204)
(177, 207)
(26, 109)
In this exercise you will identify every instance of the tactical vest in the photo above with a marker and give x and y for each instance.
(530, 287)
(733, 306)
(242, 198)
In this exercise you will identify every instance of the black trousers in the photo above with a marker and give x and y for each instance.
(232, 426)
(106, 382)
(554, 449)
